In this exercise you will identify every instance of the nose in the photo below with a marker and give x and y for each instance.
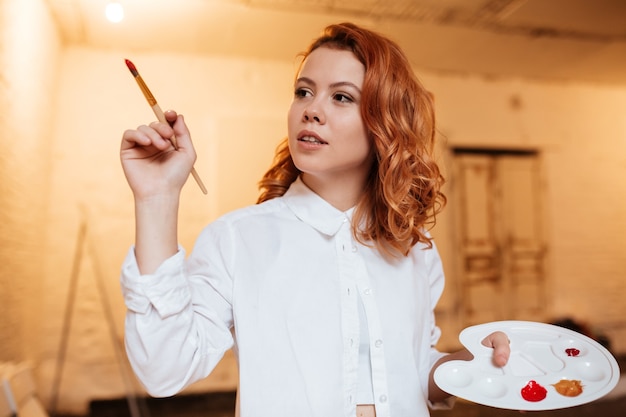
(313, 114)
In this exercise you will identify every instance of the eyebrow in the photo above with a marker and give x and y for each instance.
(307, 80)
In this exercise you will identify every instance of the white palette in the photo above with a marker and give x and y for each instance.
(539, 352)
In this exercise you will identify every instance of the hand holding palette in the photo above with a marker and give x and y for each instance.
(550, 367)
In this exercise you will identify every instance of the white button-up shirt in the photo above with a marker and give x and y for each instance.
(279, 281)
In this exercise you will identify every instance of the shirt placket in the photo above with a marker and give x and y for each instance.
(349, 316)
(376, 342)
(356, 283)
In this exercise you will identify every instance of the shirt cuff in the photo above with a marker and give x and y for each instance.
(449, 402)
(446, 404)
(166, 290)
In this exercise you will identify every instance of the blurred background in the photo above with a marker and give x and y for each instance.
(530, 97)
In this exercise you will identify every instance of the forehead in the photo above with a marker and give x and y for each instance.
(335, 65)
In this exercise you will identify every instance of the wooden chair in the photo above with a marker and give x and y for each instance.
(20, 391)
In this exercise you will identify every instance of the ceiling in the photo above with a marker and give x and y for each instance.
(551, 40)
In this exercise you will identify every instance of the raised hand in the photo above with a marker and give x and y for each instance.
(151, 163)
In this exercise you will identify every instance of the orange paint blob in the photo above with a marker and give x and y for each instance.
(569, 387)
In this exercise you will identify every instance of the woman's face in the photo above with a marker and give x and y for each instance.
(328, 140)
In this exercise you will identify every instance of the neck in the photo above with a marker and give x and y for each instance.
(342, 193)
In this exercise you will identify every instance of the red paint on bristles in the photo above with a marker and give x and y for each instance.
(132, 68)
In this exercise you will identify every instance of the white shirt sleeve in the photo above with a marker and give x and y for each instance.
(436, 278)
(178, 322)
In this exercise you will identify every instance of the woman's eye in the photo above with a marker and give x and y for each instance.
(343, 98)
(302, 92)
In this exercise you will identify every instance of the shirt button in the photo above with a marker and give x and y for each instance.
(354, 249)
(378, 343)
(383, 398)
(367, 291)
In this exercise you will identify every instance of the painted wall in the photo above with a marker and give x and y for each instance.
(66, 212)
(29, 57)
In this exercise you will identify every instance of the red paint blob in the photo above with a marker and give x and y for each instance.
(534, 392)
(572, 352)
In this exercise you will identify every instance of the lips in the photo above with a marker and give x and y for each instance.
(311, 137)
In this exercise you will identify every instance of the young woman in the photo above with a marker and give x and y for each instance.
(326, 289)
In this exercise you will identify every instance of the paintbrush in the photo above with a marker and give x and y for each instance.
(159, 114)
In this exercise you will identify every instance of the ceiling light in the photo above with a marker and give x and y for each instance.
(114, 12)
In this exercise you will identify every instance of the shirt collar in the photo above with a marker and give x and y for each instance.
(314, 210)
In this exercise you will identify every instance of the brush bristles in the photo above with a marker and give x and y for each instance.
(132, 68)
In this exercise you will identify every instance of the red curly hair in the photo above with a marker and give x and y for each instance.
(403, 193)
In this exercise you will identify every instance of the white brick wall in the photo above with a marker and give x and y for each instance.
(28, 57)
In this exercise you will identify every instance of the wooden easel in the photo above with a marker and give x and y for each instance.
(83, 243)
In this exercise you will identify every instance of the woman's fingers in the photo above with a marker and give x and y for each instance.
(181, 132)
(132, 138)
(159, 133)
(500, 343)
(170, 116)
(156, 135)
